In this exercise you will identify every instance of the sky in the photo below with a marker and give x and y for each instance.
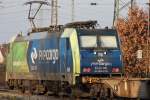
(14, 15)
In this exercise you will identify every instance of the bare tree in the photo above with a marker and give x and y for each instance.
(133, 34)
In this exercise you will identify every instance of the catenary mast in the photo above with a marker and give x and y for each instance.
(119, 5)
(54, 12)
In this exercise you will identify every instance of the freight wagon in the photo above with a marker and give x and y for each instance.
(76, 58)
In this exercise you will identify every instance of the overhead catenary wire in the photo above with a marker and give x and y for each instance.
(20, 11)
(26, 10)
(11, 4)
(14, 12)
(20, 5)
(63, 17)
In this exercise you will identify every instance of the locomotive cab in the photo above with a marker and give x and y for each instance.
(99, 52)
(86, 52)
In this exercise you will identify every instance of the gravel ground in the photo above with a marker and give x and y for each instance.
(9, 96)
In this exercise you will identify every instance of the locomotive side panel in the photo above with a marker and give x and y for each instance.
(34, 59)
(34, 63)
(16, 60)
(43, 57)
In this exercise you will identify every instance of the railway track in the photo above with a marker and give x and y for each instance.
(6, 94)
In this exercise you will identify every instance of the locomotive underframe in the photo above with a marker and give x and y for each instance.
(123, 87)
(93, 86)
(69, 77)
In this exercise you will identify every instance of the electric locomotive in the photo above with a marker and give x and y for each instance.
(57, 60)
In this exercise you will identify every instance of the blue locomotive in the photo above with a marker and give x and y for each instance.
(56, 61)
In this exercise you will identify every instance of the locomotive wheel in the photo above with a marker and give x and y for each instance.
(55, 88)
(21, 86)
(32, 87)
(39, 89)
(105, 93)
(31, 90)
(101, 92)
(10, 84)
(43, 90)
(67, 90)
(22, 89)
(11, 87)
(94, 91)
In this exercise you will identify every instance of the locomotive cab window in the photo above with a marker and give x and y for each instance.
(108, 41)
(88, 41)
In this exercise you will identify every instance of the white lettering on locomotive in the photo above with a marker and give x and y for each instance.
(49, 54)
(44, 55)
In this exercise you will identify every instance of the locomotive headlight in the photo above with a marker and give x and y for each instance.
(95, 53)
(105, 53)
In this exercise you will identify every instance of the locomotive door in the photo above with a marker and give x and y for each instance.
(70, 48)
(65, 57)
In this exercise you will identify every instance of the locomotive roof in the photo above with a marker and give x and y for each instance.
(96, 31)
(37, 35)
(42, 35)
